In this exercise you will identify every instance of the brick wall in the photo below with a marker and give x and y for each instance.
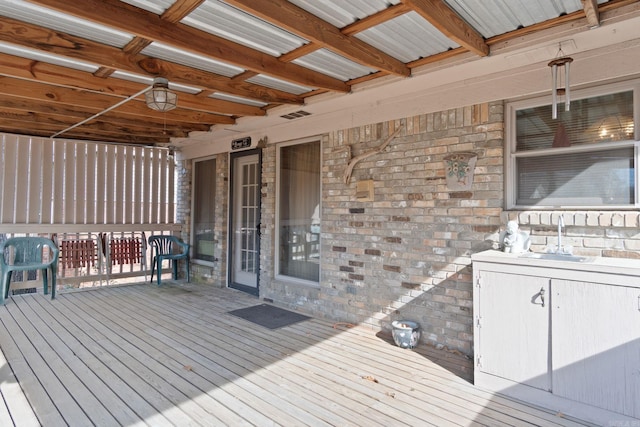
(591, 233)
(406, 254)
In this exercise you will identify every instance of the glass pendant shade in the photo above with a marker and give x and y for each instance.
(159, 97)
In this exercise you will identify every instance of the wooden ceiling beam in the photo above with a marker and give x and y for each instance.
(120, 15)
(384, 15)
(591, 12)
(447, 21)
(298, 21)
(12, 103)
(303, 50)
(120, 139)
(39, 38)
(105, 122)
(89, 100)
(48, 129)
(83, 81)
(179, 10)
(174, 13)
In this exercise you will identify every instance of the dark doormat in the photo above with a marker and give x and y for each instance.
(269, 316)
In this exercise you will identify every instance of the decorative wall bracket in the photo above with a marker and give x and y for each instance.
(356, 159)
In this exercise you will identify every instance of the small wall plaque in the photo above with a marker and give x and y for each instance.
(364, 191)
(238, 144)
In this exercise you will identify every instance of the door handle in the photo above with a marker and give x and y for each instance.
(540, 294)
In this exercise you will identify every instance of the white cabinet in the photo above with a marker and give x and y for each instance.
(596, 345)
(564, 335)
(515, 322)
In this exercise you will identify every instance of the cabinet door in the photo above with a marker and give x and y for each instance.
(513, 328)
(596, 345)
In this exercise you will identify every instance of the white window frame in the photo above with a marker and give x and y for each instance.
(511, 155)
(276, 251)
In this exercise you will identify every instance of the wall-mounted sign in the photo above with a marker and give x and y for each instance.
(237, 144)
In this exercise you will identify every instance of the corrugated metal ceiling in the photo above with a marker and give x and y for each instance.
(407, 37)
(179, 56)
(216, 17)
(494, 17)
(340, 13)
(269, 59)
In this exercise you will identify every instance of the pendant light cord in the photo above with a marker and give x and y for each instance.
(103, 111)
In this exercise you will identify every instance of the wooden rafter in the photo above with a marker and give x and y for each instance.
(84, 99)
(193, 122)
(300, 52)
(447, 21)
(40, 98)
(384, 15)
(56, 75)
(174, 13)
(34, 37)
(180, 9)
(591, 12)
(297, 20)
(117, 14)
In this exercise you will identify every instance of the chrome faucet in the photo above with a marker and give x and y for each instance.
(560, 226)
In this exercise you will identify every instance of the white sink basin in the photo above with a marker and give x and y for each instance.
(555, 257)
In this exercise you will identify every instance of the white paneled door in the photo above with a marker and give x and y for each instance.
(245, 223)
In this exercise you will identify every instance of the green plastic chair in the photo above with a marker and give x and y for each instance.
(25, 254)
(167, 248)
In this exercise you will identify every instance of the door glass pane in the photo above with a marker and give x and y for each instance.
(248, 220)
(299, 211)
(204, 182)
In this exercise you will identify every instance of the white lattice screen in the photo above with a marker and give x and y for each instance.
(45, 181)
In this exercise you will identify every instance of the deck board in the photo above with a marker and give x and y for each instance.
(172, 355)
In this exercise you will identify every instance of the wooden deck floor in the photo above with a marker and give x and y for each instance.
(142, 355)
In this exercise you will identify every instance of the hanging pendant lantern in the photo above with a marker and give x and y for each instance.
(159, 97)
(565, 62)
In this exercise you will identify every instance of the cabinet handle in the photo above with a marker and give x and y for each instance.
(542, 296)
